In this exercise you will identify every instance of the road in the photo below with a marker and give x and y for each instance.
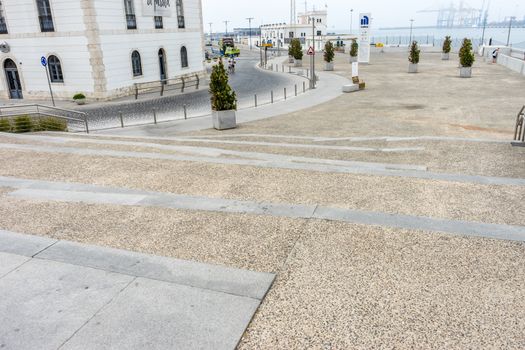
(247, 81)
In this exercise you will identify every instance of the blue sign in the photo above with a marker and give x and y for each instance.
(365, 21)
(43, 61)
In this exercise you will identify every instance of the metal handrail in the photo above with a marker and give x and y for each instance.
(163, 85)
(40, 110)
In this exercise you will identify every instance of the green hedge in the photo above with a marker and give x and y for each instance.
(5, 125)
(25, 123)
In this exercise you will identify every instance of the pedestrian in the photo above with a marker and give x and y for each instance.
(495, 55)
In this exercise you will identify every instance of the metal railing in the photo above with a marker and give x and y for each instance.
(162, 86)
(519, 131)
(74, 120)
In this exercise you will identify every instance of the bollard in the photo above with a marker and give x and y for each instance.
(304, 87)
(255, 96)
(289, 69)
(295, 89)
(154, 115)
(185, 112)
(307, 73)
(121, 119)
(285, 94)
(271, 96)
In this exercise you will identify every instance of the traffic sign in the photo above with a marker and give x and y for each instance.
(311, 51)
(43, 60)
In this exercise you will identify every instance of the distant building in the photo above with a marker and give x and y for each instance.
(280, 34)
(98, 47)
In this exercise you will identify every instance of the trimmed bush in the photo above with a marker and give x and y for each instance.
(414, 53)
(5, 125)
(296, 49)
(329, 52)
(223, 98)
(466, 55)
(23, 123)
(79, 96)
(52, 124)
(447, 45)
(354, 49)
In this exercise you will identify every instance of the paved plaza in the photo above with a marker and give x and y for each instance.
(388, 218)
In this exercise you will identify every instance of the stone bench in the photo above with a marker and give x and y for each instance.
(350, 87)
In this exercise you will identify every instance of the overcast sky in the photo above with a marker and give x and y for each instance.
(386, 13)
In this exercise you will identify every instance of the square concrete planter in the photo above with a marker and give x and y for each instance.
(353, 59)
(412, 67)
(465, 72)
(223, 120)
(298, 63)
(445, 56)
(80, 101)
(329, 66)
(290, 59)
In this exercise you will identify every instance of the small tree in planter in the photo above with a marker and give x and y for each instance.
(329, 55)
(466, 59)
(297, 52)
(354, 51)
(290, 53)
(413, 57)
(223, 99)
(447, 46)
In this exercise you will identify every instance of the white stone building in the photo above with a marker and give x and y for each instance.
(98, 47)
(281, 33)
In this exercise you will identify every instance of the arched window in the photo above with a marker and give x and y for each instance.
(44, 16)
(55, 69)
(136, 64)
(184, 57)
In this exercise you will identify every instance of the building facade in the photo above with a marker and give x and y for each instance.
(101, 48)
(280, 34)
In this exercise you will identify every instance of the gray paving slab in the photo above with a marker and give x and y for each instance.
(217, 278)
(159, 315)
(43, 303)
(326, 168)
(469, 228)
(78, 196)
(24, 245)
(9, 262)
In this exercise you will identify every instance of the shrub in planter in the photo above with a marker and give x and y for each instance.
(5, 125)
(223, 99)
(80, 99)
(447, 46)
(354, 51)
(329, 55)
(290, 53)
(413, 57)
(466, 58)
(296, 50)
(23, 123)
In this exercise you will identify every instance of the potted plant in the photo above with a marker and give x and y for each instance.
(80, 99)
(447, 46)
(223, 99)
(297, 52)
(466, 59)
(290, 53)
(329, 55)
(413, 57)
(354, 51)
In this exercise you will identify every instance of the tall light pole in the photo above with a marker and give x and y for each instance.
(351, 21)
(510, 27)
(226, 23)
(250, 25)
(312, 60)
(411, 26)
(484, 27)
(211, 34)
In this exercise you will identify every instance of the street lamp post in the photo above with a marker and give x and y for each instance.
(312, 60)
(250, 26)
(351, 21)
(411, 26)
(484, 27)
(226, 23)
(510, 27)
(211, 33)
